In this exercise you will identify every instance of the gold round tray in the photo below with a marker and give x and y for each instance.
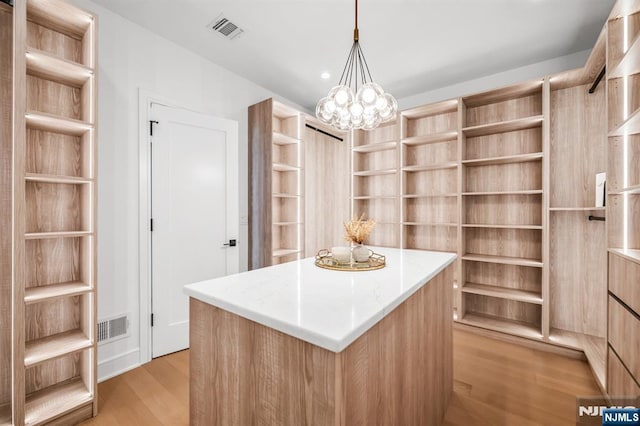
(325, 260)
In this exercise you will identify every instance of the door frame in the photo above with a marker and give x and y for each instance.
(145, 99)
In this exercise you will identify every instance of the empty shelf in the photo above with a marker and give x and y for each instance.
(502, 325)
(630, 62)
(36, 177)
(503, 293)
(525, 192)
(375, 172)
(56, 400)
(282, 195)
(629, 254)
(439, 166)
(576, 209)
(504, 260)
(375, 197)
(65, 234)
(631, 125)
(61, 16)
(55, 346)
(280, 167)
(56, 124)
(375, 147)
(443, 107)
(284, 252)
(47, 66)
(445, 224)
(52, 291)
(432, 138)
(450, 194)
(282, 139)
(504, 126)
(477, 225)
(509, 159)
(286, 223)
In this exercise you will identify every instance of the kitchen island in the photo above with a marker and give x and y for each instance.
(297, 345)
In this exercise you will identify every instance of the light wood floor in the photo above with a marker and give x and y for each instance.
(496, 383)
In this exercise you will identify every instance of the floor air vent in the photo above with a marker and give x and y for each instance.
(225, 27)
(113, 329)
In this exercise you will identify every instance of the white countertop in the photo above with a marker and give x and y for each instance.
(330, 309)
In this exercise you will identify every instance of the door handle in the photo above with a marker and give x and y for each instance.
(231, 243)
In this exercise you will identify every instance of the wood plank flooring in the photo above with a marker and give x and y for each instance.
(496, 383)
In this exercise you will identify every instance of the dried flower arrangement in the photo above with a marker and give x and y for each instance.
(357, 230)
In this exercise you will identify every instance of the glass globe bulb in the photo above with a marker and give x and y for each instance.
(392, 108)
(381, 103)
(356, 109)
(330, 106)
(369, 93)
(370, 124)
(342, 95)
(321, 111)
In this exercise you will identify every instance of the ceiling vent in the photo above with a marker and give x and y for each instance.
(225, 27)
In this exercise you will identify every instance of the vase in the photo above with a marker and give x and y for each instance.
(341, 254)
(361, 253)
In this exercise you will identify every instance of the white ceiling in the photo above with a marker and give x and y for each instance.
(411, 45)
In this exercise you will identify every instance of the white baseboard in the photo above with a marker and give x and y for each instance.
(118, 364)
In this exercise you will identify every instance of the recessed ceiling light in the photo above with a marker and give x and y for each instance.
(325, 76)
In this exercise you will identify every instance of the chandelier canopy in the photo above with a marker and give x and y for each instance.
(356, 102)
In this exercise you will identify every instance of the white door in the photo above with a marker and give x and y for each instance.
(193, 182)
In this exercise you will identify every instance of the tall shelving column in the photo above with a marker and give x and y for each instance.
(287, 189)
(429, 153)
(375, 181)
(623, 204)
(54, 217)
(502, 210)
(276, 184)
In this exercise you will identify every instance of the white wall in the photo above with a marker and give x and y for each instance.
(517, 75)
(132, 58)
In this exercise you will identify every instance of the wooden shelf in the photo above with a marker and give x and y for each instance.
(428, 110)
(60, 16)
(375, 197)
(281, 195)
(526, 192)
(35, 177)
(450, 194)
(375, 172)
(284, 252)
(280, 167)
(630, 254)
(576, 209)
(44, 65)
(504, 260)
(440, 166)
(376, 147)
(53, 291)
(430, 224)
(432, 138)
(282, 139)
(630, 63)
(286, 223)
(526, 88)
(478, 225)
(56, 400)
(630, 126)
(502, 325)
(55, 346)
(594, 348)
(509, 159)
(65, 234)
(503, 293)
(635, 189)
(56, 124)
(503, 126)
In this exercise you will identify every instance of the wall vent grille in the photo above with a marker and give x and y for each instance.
(225, 27)
(113, 329)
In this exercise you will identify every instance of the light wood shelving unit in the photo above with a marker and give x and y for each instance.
(623, 204)
(276, 184)
(503, 194)
(430, 168)
(375, 185)
(54, 215)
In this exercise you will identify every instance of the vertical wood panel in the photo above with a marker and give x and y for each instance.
(6, 106)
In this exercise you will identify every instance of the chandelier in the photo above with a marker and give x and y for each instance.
(356, 102)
